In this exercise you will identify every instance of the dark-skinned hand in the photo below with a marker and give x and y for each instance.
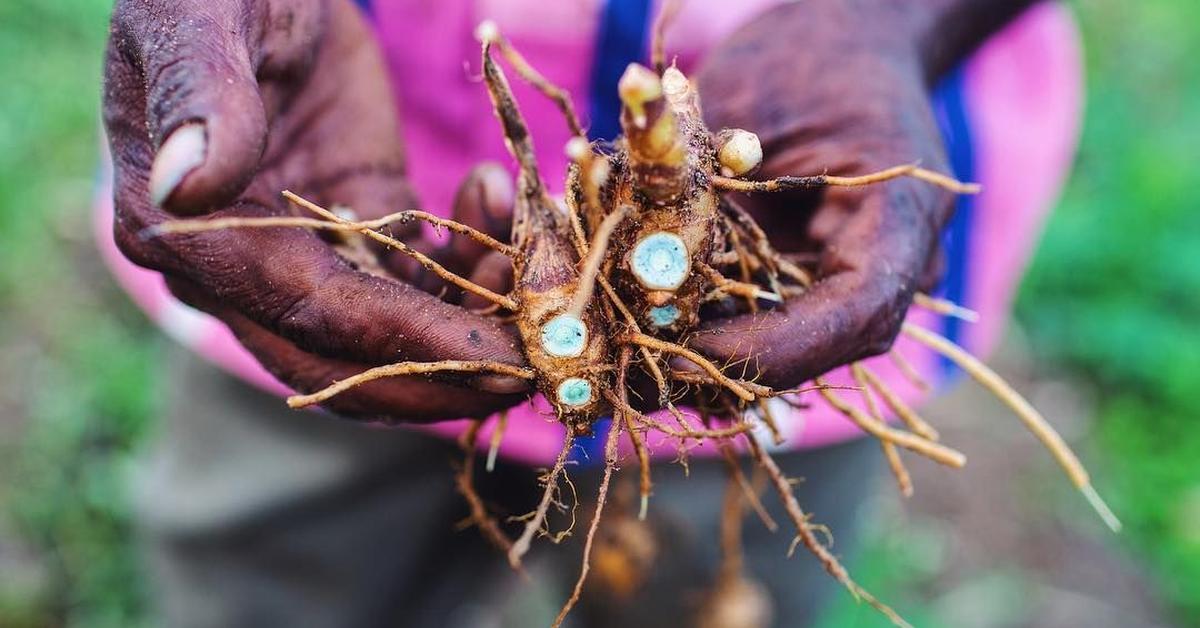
(840, 87)
(215, 106)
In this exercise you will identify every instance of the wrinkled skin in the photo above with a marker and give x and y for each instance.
(291, 94)
(852, 100)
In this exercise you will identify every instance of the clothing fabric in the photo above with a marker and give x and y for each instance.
(1009, 114)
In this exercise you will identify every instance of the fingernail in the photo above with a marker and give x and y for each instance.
(501, 384)
(183, 152)
(497, 195)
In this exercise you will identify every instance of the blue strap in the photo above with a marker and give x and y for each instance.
(621, 40)
(950, 104)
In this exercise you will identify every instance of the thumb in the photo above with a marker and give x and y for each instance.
(203, 109)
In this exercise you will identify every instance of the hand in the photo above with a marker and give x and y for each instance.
(215, 106)
(831, 87)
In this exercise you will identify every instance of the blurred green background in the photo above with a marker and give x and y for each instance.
(1109, 311)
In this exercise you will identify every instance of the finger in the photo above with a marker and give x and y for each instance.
(414, 399)
(494, 272)
(869, 271)
(200, 100)
(484, 201)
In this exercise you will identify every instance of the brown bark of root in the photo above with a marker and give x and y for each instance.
(488, 32)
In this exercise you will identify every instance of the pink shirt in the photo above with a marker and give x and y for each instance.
(1024, 89)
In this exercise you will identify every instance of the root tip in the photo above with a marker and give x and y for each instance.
(1097, 503)
(487, 32)
(149, 233)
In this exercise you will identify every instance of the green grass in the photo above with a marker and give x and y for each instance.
(1114, 294)
(1115, 289)
(79, 364)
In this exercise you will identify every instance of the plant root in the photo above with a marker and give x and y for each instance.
(683, 433)
(651, 342)
(908, 370)
(750, 492)
(768, 419)
(945, 307)
(465, 483)
(455, 226)
(408, 368)
(610, 463)
(643, 456)
(1029, 415)
(732, 512)
(488, 32)
(666, 15)
(747, 291)
(903, 479)
(934, 451)
(425, 261)
(494, 444)
(806, 535)
(590, 269)
(534, 525)
(813, 182)
(910, 417)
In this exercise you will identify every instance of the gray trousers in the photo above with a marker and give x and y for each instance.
(254, 515)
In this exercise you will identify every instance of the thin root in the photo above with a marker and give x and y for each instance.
(945, 307)
(805, 532)
(465, 482)
(651, 342)
(781, 184)
(497, 436)
(1029, 415)
(934, 451)
(424, 260)
(488, 31)
(666, 15)
(903, 479)
(908, 370)
(534, 525)
(751, 493)
(910, 417)
(610, 463)
(408, 368)
(591, 265)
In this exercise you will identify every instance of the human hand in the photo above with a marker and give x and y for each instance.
(832, 87)
(215, 107)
